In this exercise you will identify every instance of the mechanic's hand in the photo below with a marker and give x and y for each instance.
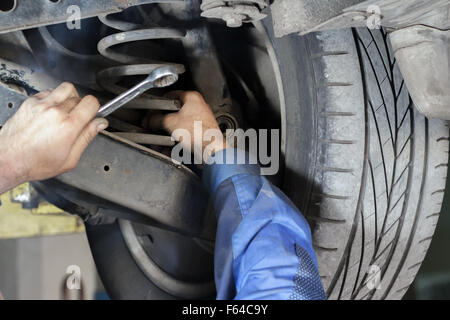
(47, 135)
(194, 109)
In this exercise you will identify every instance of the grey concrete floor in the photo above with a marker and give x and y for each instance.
(38, 268)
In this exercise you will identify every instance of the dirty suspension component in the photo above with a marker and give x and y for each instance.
(234, 12)
(135, 66)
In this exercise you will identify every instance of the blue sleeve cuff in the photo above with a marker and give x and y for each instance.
(225, 164)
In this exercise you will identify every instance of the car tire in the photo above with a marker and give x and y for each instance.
(364, 166)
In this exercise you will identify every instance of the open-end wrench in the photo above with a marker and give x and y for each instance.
(160, 77)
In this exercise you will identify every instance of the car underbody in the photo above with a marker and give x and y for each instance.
(228, 51)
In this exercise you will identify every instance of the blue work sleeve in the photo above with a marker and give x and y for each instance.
(263, 243)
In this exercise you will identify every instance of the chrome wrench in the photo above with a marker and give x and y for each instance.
(160, 77)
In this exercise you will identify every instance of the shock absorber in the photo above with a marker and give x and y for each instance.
(130, 65)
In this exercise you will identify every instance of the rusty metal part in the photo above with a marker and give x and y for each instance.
(26, 14)
(422, 55)
(234, 12)
(305, 16)
(27, 78)
(145, 138)
(17, 80)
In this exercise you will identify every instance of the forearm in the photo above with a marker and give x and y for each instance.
(11, 174)
(217, 180)
(8, 179)
(261, 235)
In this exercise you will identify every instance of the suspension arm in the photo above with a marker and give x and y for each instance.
(123, 179)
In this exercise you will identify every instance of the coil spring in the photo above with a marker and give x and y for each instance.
(132, 65)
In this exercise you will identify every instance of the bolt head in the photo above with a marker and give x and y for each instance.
(233, 20)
